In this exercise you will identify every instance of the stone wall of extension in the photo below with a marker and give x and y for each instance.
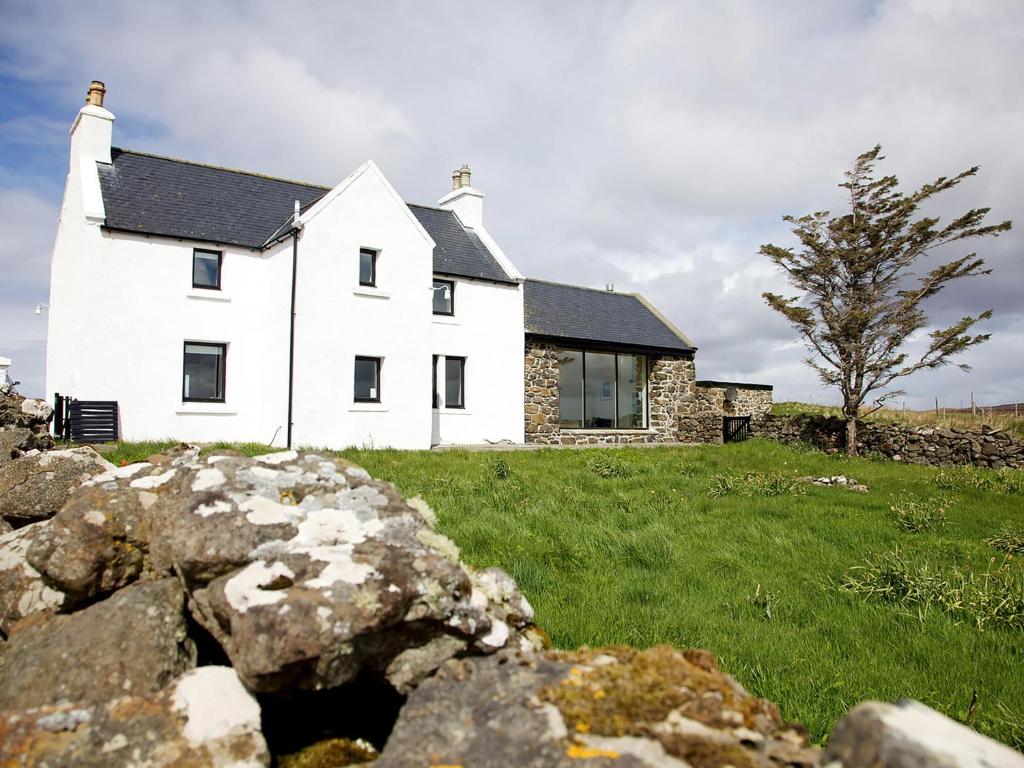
(670, 396)
(716, 399)
(680, 409)
(939, 447)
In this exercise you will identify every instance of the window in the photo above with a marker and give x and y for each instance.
(367, 267)
(435, 402)
(454, 382)
(204, 367)
(444, 297)
(601, 390)
(367, 380)
(206, 269)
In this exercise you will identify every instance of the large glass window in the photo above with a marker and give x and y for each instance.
(204, 372)
(602, 390)
(367, 380)
(367, 267)
(599, 390)
(570, 388)
(444, 297)
(454, 382)
(632, 392)
(206, 269)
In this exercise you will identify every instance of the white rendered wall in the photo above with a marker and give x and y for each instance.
(487, 330)
(338, 319)
(134, 308)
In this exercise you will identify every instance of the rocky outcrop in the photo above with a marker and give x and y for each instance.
(24, 425)
(304, 569)
(911, 735)
(934, 446)
(612, 707)
(134, 642)
(204, 718)
(36, 486)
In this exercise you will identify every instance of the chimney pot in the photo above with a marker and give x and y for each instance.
(96, 92)
(464, 175)
(456, 179)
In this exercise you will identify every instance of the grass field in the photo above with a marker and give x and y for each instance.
(647, 546)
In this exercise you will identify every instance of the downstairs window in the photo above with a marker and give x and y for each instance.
(601, 390)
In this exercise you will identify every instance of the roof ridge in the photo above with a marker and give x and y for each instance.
(629, 295)
(122, 150)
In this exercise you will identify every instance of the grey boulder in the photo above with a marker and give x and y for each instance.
(607, 707)
(23, 591)
(134, 642)
(34, 487)
(911, 735)
(204, 718)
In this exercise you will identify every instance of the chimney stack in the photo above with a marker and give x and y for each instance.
(97, 91)
(465, 200)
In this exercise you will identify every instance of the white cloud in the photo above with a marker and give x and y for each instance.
(652, 144)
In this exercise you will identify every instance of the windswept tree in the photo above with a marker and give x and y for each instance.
(862, 286)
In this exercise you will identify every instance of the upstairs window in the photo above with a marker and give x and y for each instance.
(204, 368)
(367, 267)
(206, 269)
(454, 382)
(367, 380)
(444, 297)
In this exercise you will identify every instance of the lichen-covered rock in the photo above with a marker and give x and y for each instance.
(330, 753)
(612, 707)
(95, 545)
(17, 411)
(302, 567)
(23, 591)
(911, 735)
(34, 487)
(134, 642)
(205, 718)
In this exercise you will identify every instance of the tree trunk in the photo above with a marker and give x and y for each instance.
(851, 435)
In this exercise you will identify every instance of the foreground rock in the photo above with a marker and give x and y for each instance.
(134, 642)
(205, 718)
(911, 735)
(612, 707)
(23, 591)
(35, 487)
(303, 568)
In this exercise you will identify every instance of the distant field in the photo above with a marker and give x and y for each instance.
(997, 417)
(717, 547)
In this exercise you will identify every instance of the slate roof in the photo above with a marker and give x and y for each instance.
(157, 195)
(570, 312)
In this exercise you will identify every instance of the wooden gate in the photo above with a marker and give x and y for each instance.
(735, 428)
(85, 421)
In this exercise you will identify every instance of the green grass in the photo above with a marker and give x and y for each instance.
(630, 547)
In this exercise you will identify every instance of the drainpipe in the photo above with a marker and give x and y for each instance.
(296, 227)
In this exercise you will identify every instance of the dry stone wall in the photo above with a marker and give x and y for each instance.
(934, 446)
(716, 399)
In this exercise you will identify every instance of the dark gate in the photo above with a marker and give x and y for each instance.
(85, 421)
(735, 428)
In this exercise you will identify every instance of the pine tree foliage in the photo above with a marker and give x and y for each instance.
(862, 289)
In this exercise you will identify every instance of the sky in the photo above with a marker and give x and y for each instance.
(651, 145)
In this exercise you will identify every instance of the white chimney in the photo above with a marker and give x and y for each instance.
(465, 200)
(93, 129)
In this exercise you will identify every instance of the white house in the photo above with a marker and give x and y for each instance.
(216, 304)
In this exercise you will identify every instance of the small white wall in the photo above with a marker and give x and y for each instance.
(486, 329)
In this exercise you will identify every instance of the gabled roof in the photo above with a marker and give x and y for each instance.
(573, 313)
(154, 195)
